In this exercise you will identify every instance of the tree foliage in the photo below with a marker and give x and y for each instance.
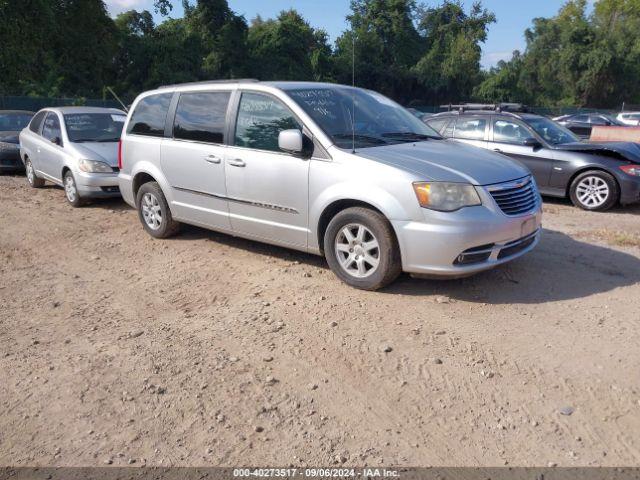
(415, 53)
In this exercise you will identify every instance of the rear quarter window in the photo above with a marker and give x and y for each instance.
(150, 115)
(34, 126)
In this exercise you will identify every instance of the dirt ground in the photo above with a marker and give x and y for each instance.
(209, 350)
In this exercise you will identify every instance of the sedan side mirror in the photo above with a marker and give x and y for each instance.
(56, 140)
(531, 142)
(291, 141)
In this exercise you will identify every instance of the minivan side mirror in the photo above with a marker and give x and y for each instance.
(291, 141)
(532, 142)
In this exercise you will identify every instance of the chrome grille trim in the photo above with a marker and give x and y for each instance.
(515, 198)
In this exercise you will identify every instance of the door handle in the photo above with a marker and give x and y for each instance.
(237, 163)
(212, 159)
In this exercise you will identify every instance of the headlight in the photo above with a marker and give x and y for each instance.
(93, 166)
(446, 197)
(633, 170)
(9, 146)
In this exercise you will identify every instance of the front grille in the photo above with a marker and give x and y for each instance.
(517, 246)
(515, 198)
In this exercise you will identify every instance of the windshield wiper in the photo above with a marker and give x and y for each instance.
(410, 135)
(357, 136)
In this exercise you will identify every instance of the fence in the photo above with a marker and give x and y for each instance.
(36, 103)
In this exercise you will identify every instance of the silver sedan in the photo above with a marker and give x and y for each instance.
(76, 148)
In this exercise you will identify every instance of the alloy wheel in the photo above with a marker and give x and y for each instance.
(151, 211)
(592, 191)
(357, 250)
(70, 189)
(30, 173)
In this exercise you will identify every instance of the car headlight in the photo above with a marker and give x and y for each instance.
(93, 166)
(633, 170)
(446, 197)
(9, 146)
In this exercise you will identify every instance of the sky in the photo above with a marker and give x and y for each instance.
(505, 36)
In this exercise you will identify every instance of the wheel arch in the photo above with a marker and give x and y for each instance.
(336, 207)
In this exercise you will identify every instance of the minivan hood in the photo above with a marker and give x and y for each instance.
(447, 161)
(625, 150)
(101, 151)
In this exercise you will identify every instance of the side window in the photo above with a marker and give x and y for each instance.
(261, 118)
(471, 128)
(201, 116)
(51, 128)
(150, 115)
(505, 131)
(34, 126)
(438, 124)
(580, 118)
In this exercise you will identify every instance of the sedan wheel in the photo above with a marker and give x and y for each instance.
(594, 190)
(33, 180)
(71, 190)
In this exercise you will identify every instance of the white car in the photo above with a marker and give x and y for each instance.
(629, 118)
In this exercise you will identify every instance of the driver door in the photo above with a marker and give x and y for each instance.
(508, 136)
(51, 155)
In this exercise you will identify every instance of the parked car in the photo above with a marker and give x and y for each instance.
(593, 176)
(582, 123)
(11, 122)
(76, 148)
(282, 163)
(629, 118)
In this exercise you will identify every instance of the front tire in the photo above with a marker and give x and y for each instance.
(154, 212)
(361, 249)
(71, 190)
(594, 190)
(33, 180)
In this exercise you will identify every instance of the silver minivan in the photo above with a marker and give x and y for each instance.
(76, 148)
(327, 169)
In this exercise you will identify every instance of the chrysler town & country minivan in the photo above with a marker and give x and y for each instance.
(327, 169)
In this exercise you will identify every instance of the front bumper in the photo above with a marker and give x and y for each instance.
(10, 159)
(471, 240)
(629, 189)
(97, 185)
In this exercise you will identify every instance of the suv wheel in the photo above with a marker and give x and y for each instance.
(362, 249)
(154, 213)
(594, 190)
(33, 180)
(71, 190)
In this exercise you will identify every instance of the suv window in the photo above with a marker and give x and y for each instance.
(261, 118)
(150, 115)
(51, 128)
(505, 131)
(471, 128)
(34, 126)
(201, 116)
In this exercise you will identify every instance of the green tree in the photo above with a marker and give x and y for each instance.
(288, 48)
(449, 68)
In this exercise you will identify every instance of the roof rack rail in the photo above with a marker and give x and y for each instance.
(208, 82)
(498, 107)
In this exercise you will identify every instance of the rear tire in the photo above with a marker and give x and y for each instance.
(361, 249)
(594, 190)
(154, 212)
(33, 180)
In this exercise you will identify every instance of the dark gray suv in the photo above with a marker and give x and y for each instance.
(594, 176)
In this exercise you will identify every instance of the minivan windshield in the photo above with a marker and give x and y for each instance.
(552, 132)
(377, 120)
(94, 127)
